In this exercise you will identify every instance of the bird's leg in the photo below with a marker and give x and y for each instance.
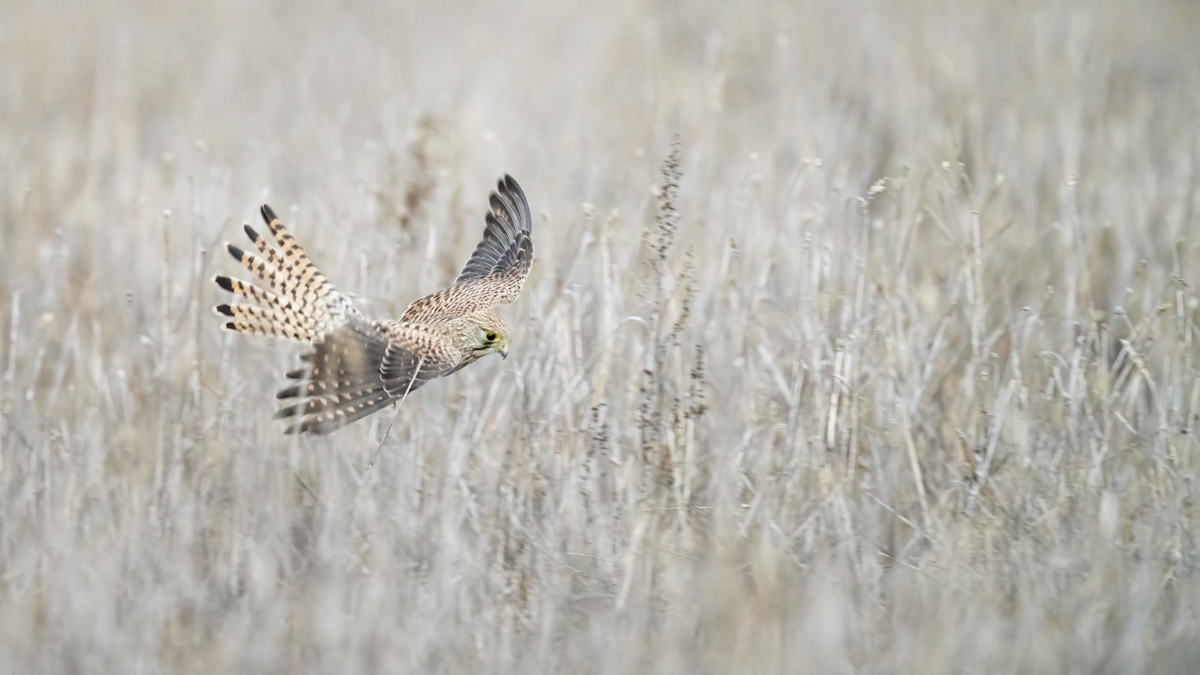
(371, 465)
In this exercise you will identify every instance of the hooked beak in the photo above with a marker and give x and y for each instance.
(503, 353)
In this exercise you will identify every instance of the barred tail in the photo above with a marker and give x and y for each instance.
(292, 300)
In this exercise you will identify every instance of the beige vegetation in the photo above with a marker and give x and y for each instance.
(888, 365)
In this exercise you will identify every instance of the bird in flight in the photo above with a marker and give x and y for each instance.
(358, 366)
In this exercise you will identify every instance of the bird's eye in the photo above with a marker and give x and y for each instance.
(491, 337)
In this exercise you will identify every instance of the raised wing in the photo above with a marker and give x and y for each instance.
(503, 257)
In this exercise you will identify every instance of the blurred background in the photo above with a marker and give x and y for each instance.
(861, 336)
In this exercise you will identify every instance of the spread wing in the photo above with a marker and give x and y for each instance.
(502, 259)
(292, 298)
(356, 366)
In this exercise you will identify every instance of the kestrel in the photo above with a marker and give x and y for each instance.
(358, 366)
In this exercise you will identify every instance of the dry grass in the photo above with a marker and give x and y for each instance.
(888, 364)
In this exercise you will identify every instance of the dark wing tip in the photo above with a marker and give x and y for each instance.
(250, 232)
(510, 184)
(511, 191)
(223, 310)
(267, 214)
(507, 225)
(224, 282)
(236, 252)
(312, 426)
(289, 411)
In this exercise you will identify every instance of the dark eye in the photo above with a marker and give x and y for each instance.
(491, 337)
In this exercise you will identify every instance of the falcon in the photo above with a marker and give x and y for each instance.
(358, 366)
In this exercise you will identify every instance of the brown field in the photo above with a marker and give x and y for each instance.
(862, 337)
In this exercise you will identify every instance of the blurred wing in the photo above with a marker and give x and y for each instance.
(503, 258)
(362, 368)
(340, 381)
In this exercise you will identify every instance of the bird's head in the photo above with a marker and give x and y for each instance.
(491, 337)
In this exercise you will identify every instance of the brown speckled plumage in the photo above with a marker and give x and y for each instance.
(358, 366)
